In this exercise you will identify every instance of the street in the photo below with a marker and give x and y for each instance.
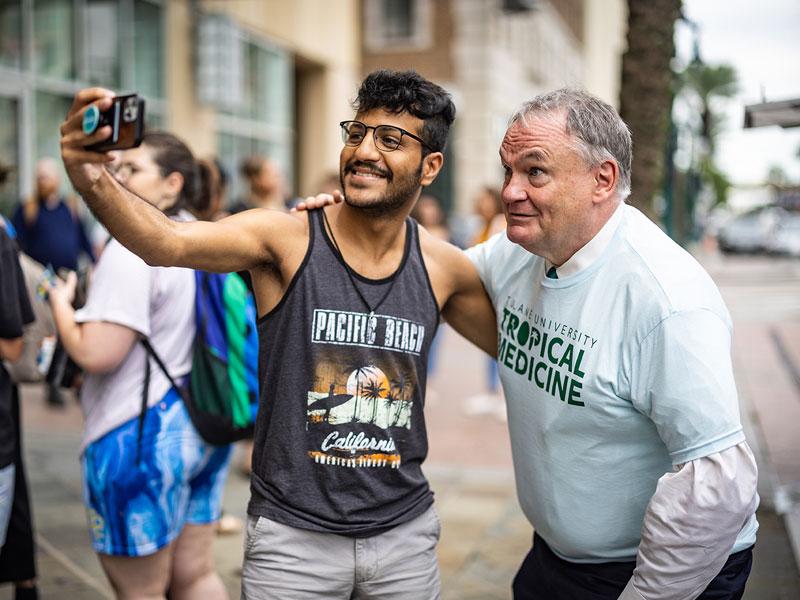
(485, 536)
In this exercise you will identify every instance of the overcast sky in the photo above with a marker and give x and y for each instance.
(761, 39)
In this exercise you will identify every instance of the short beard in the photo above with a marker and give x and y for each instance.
(395, 199)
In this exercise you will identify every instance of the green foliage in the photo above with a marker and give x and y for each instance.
(704, 83)
(718, 181)
(707, 82)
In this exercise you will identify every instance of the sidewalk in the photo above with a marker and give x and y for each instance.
(484, 535)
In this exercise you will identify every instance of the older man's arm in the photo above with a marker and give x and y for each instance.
(691, 524)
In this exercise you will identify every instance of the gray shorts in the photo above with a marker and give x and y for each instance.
(286, 563)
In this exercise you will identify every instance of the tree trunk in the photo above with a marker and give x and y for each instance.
(645, 93)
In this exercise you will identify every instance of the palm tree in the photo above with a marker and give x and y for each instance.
(645, 93)
(360, 370)
(707, 82)
(699, 84)
(373, 391)
(390, 400)
(404, 382)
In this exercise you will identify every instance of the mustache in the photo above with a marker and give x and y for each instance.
(360, 164)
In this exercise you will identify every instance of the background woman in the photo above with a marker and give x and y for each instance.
(151, 502)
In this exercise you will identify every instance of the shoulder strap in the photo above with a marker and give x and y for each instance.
(143, 411)
(151, 351)
(145, 392)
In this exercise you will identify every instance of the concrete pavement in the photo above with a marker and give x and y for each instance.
(484, 534)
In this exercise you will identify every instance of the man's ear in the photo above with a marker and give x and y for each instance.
(431, 165)
(606, 179)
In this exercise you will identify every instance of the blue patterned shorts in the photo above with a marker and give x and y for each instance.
(136, 509)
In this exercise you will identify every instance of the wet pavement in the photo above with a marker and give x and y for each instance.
(484, 535)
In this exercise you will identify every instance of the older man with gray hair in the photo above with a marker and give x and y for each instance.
(614, 354)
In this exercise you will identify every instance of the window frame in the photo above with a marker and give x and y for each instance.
(375, 34)
(260, 131)
(23, 83)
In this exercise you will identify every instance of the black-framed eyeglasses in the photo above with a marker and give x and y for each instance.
(387, 137)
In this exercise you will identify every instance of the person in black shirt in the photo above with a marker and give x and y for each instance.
(15, 512)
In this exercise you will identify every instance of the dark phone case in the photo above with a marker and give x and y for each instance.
(125, 133)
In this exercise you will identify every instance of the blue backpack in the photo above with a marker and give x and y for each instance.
(222, 395)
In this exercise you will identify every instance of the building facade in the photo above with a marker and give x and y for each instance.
(231, 77)
(492, 55)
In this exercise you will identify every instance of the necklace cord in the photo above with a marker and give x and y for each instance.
(349, 271)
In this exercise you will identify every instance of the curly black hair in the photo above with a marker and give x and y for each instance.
(408, 91)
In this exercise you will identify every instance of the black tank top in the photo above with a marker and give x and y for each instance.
(340, 435)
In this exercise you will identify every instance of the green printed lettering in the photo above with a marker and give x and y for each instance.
(513, 323)
(574, 393)
(506, 313)
(523, 333)
(535, 336)
(508, 359)
(577, 371)
(520, 366)
(539, 383)
(559, 385)
(566, 358)
(555, 341)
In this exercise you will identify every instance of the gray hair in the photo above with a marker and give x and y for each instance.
(599, 131)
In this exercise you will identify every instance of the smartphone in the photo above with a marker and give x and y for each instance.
(47, 276)
(126, 118)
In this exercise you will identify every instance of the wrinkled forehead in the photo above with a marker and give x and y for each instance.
(540, 135)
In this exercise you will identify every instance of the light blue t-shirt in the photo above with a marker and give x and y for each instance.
(612, 376)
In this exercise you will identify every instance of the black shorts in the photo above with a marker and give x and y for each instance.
(545, 576)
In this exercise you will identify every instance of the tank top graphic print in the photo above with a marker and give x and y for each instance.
(340, 436)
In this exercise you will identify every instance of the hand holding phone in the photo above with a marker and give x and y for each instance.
(47, 281)
(126, 118)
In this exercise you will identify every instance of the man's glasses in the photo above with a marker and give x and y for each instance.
(387, 137)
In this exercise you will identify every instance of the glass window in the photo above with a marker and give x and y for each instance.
(9, 191)
(275, 101)
(398, 20)
(102, 42)
(268, 83)
(233, 149)
(10, 34)
(398, 24)
(53, 46)
(268, 100)
(50, 111)
(148, 49)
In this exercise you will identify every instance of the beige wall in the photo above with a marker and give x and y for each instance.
(185, 117)
(501, 61)
(605, 28)
(325, 40)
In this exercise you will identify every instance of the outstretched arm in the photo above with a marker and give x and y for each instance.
(237, 243)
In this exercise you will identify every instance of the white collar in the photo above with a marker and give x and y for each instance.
(592, 250)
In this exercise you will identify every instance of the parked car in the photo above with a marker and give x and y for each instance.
(785, 238)
(751, 231)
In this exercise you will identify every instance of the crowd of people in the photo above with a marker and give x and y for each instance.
(611, 343)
